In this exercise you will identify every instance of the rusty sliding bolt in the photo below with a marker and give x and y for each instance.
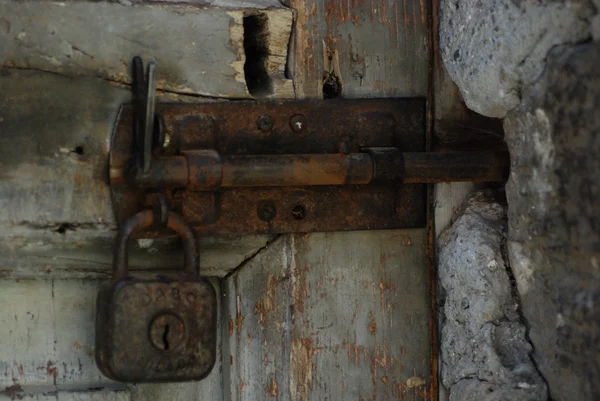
(206, 170)
(390, 164)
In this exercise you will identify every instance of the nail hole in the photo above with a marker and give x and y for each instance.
(267, 211)
(298, 212)
(64, 227)
(332, 87)
(256, 37)
(78, 150)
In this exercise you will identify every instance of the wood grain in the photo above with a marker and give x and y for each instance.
(310, 319)
(354, 328)
(62, 82)
(56, 214)
(338, 316)
(48, 329)
(44, 393)
(198, 50)
(381, 47)
(360, 321)
(256, 327)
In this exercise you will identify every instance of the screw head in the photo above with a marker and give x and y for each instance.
(298, 123)
(167, 331)
(267, 211)
(298, 212)
(264, 123)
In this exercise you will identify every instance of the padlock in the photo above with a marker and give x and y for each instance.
(156, 330)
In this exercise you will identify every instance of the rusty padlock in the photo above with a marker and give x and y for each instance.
(157, 330)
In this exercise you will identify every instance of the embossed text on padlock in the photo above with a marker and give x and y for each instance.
(159, 330)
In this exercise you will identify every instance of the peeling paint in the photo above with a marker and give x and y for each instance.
(301, 369)
(266, 305)
(372, 324)
(415, 381)
(239, 322)
(355, 352)
(299, 288)
(272, 390)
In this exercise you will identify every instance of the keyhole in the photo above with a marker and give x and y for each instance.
(167, 332)
(166, 337)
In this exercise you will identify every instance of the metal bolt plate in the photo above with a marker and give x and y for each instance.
(290, 127)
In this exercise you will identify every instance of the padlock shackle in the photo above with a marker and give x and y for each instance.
(143, 220)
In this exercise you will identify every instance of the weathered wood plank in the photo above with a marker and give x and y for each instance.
(30, 254)
(361, 320)
(47, 327)
(50, 393)
(360, 306)
(48, 330)
(199, 50)
(296, 367)
(56, 217)
(448, 199)
(374, 49)
(312, 318)
(239, 4)
(256, 337)
(54, 148)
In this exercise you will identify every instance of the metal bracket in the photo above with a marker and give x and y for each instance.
(293, 166)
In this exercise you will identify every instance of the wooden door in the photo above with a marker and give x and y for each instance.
(322, 316)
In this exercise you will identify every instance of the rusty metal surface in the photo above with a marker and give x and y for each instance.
(165, 172)
(294, 127)
(307, 209)
(206, 170)
(435, 167)
(142, 220)
(231, 128)
(157, 330)
(297, 170)
(127, 314)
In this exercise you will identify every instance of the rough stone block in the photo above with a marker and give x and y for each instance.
(485, 352)
(554, 217)
(494, 48)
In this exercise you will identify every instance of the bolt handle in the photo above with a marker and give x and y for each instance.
(144, 101)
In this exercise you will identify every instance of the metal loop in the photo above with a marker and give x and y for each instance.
(143, 220)
(161, 212)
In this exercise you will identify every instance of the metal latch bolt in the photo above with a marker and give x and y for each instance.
(219, 147)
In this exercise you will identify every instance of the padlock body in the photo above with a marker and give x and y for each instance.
(162, 330)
